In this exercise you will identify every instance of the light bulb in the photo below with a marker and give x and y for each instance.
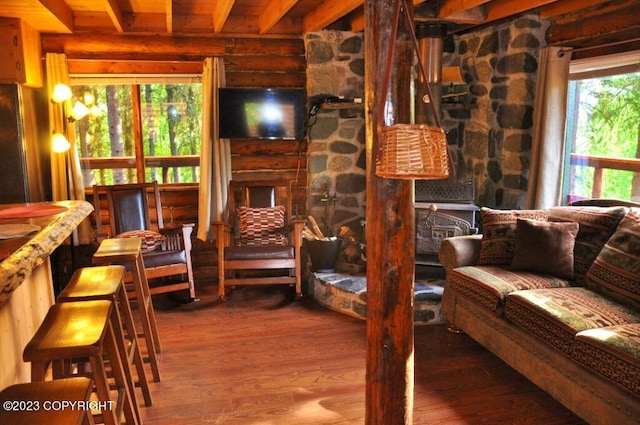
(79, 111)
(61, 92)
(59, 143)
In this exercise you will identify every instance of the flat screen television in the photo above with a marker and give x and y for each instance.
(247, 113)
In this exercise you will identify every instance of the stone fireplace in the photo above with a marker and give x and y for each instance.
(489, 130)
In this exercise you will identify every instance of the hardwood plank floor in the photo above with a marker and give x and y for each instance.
(264, 359)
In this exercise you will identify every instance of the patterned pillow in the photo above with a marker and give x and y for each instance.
(150, 239)
(261, 226)
(499, 234)
(616, 270)
(597, 224)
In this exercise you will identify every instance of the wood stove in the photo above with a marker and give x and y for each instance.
(454, 215)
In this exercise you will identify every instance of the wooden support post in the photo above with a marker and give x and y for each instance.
(389, 232)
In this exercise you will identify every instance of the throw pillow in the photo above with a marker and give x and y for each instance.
(545, 247)
(259, 224)
(499, 234)
(616, 269)
(150, 239)
(597, 224)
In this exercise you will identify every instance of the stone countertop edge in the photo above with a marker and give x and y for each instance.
(19, 265)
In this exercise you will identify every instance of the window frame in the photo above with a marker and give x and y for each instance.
(582, 69)
(139, 161)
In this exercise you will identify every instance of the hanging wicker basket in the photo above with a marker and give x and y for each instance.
(413, 151)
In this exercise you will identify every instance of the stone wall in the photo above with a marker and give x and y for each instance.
(491, 138)
(336, 148)
(490, 135)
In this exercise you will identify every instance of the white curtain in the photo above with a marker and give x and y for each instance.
(550, 110)
(215, 154)
(66, 174)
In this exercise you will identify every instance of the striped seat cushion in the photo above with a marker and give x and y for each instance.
(556, 315)
(613, 351)
(489, 285)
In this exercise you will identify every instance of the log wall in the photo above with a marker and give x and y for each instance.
(249, 62)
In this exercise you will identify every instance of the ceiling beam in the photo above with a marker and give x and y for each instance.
(357, 21)
(61, 11)
(221, 11)
(327, 13)
(452, 8)
(168, 10)
(115, 14)
(601, 27)
(272, 13)
(500, 9)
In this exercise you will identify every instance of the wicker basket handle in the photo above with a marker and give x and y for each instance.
(402, 4)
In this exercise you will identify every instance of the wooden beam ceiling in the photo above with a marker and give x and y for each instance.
(328, 12)
(221, 11)
(573, 23)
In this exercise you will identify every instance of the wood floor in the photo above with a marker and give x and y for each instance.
(264, 359)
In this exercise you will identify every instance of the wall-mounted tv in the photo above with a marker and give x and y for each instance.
(247, 113)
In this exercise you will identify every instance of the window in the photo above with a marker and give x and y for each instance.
(138, 129)
(603, 121)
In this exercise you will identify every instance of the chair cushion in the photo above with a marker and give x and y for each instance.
(163, 258)
(596, 225)
(556, 315)
(489, 285)
(261, 226)
(263, 252)
(499, 234)
(266, 238)
(616, 270)
(613, 351)
(150, 239)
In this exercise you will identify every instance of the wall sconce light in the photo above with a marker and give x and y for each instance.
(452, 77)
(61, 93)
(82, 107)
(59, 143)
(78, 111)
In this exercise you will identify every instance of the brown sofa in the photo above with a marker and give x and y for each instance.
(558, 302)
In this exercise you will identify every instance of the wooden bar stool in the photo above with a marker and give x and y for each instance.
(107, 283)
(37, 403)
(83, 330)
(127, 251)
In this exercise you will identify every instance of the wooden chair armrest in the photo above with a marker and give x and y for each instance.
(180, 234)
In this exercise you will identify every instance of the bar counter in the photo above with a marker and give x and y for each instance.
(26, 281)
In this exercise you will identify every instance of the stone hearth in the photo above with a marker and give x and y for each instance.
(346, 293)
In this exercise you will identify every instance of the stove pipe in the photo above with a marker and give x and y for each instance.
(430, 41)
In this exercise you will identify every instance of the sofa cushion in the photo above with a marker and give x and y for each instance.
(596, 225)
(489, 285)
(616, 270)
(499, 234)
(613, 351)
(556, 315)
(545, 247)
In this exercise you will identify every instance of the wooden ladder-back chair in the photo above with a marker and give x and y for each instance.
(166, 251)
(261, 242)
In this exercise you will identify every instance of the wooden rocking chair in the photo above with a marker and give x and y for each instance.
(261, 243)
(166, 251)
